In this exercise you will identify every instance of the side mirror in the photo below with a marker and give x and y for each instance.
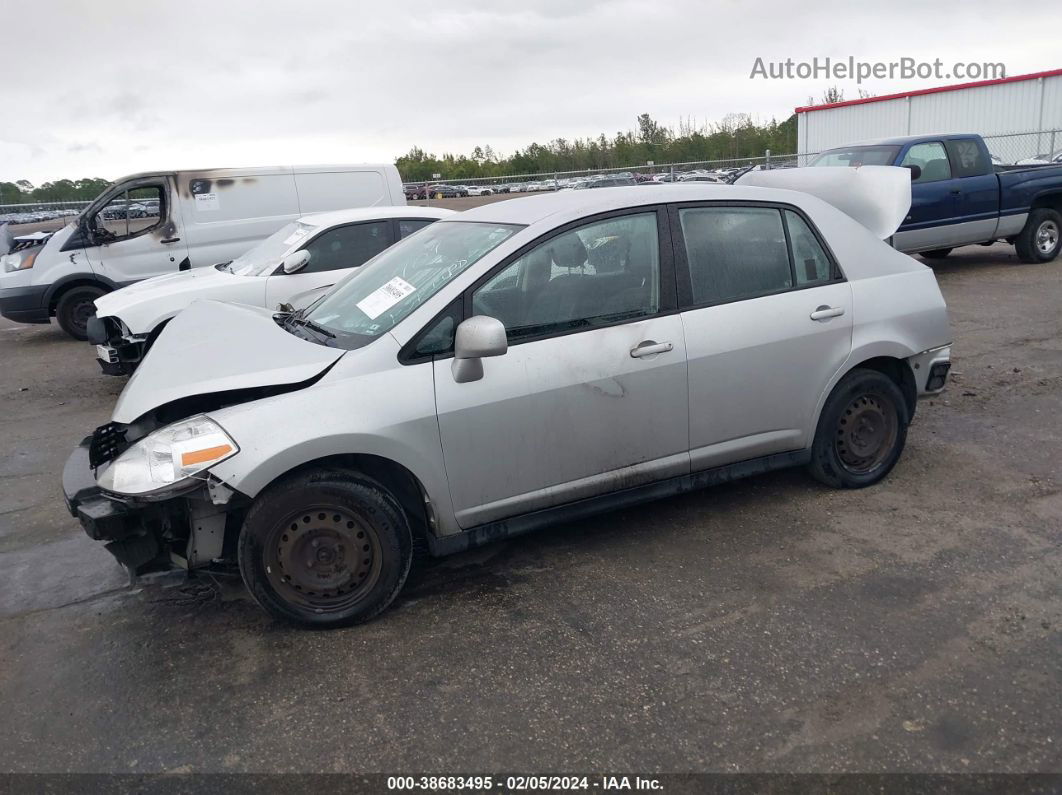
(916, 172)
(295, 262)
(476, 338)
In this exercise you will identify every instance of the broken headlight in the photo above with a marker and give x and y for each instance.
(19, 261)
(165, 461)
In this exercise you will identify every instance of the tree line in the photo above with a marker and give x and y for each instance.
(737, 136)
(24, 192)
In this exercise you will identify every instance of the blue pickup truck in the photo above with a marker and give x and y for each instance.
(958, 197)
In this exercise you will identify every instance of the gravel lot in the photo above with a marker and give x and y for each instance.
(765, 625)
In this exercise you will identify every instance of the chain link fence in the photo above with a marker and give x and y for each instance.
(1014, 149)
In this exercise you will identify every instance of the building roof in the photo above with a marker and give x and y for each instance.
(935, 90)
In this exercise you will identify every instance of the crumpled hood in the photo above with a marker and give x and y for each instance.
(143, 305)
(216, 347)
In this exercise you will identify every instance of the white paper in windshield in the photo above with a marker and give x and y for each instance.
(383, 298)
(299, 233)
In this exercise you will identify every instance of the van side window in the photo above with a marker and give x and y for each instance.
(735, 253)
(348, 246)
(931, 158)
(130, 213)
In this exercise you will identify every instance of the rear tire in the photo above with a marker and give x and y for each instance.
(861, 431)
(325, 549)
(74, 309)
(1041, 237)
(939, 253)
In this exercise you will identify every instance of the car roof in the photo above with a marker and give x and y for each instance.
(906, 139)
(528, 210)
(336, 217)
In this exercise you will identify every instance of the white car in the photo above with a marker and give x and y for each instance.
(294, 266)
(523, 363)
(479, 190)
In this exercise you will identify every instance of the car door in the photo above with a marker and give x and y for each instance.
(332, 254)
(591, 396)
(935, 212)
(767, 318)
(128, 241)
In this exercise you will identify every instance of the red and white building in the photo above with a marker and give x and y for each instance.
(1021, 104)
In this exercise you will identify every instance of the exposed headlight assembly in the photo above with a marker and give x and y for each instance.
(19, 261)
(166, 461)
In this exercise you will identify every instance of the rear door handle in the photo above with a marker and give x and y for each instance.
(826, 312)
(648, 348)
(170, 240)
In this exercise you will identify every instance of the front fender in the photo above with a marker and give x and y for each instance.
(389, 413)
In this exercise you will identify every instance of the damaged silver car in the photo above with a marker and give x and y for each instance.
(520, 364)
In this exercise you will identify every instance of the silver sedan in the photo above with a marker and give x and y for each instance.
(523, 363)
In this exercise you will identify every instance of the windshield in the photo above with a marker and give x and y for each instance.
(264, 258)
(374, 299)
(858, 156)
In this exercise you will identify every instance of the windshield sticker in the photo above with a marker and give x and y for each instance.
(206, 202)
(298, 234)
(383, 298)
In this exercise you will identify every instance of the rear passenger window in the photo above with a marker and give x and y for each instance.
(735, 252)
(809, 260)
(601, 273)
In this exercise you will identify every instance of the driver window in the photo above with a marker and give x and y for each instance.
(348, 246)
(130, 213)
(602, 273)
(931, 158)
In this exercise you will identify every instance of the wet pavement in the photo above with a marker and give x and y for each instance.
(765, 625)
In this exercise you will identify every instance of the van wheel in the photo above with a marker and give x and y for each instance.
(1041, 237)
(938, 253)
(74, 309)
(861, 431)
(325, 549)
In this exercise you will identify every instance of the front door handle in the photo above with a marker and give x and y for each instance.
(170, 240)
(648, 348)
(826, 312)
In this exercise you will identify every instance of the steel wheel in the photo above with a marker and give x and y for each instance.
(866, 433)
(1047, 237)
(324, 558)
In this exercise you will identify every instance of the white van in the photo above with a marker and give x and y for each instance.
(152, 224)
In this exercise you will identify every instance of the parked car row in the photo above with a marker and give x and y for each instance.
(602, 180)
(36, 216)
(366, 386)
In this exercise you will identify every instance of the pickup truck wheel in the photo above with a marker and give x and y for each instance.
(325, 549)
(74, 309)
(1041, 237)
(861, 432)
(939, 253)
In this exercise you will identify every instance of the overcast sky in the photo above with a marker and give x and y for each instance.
(110, 88)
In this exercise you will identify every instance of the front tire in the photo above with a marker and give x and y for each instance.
(939, 253)
(861, 431)
(74, 309)
(1041, 237)
(325, 549)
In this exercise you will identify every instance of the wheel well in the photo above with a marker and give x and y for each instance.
(898, 371)
(399, 481)
(66, 287)
(1052, 201)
